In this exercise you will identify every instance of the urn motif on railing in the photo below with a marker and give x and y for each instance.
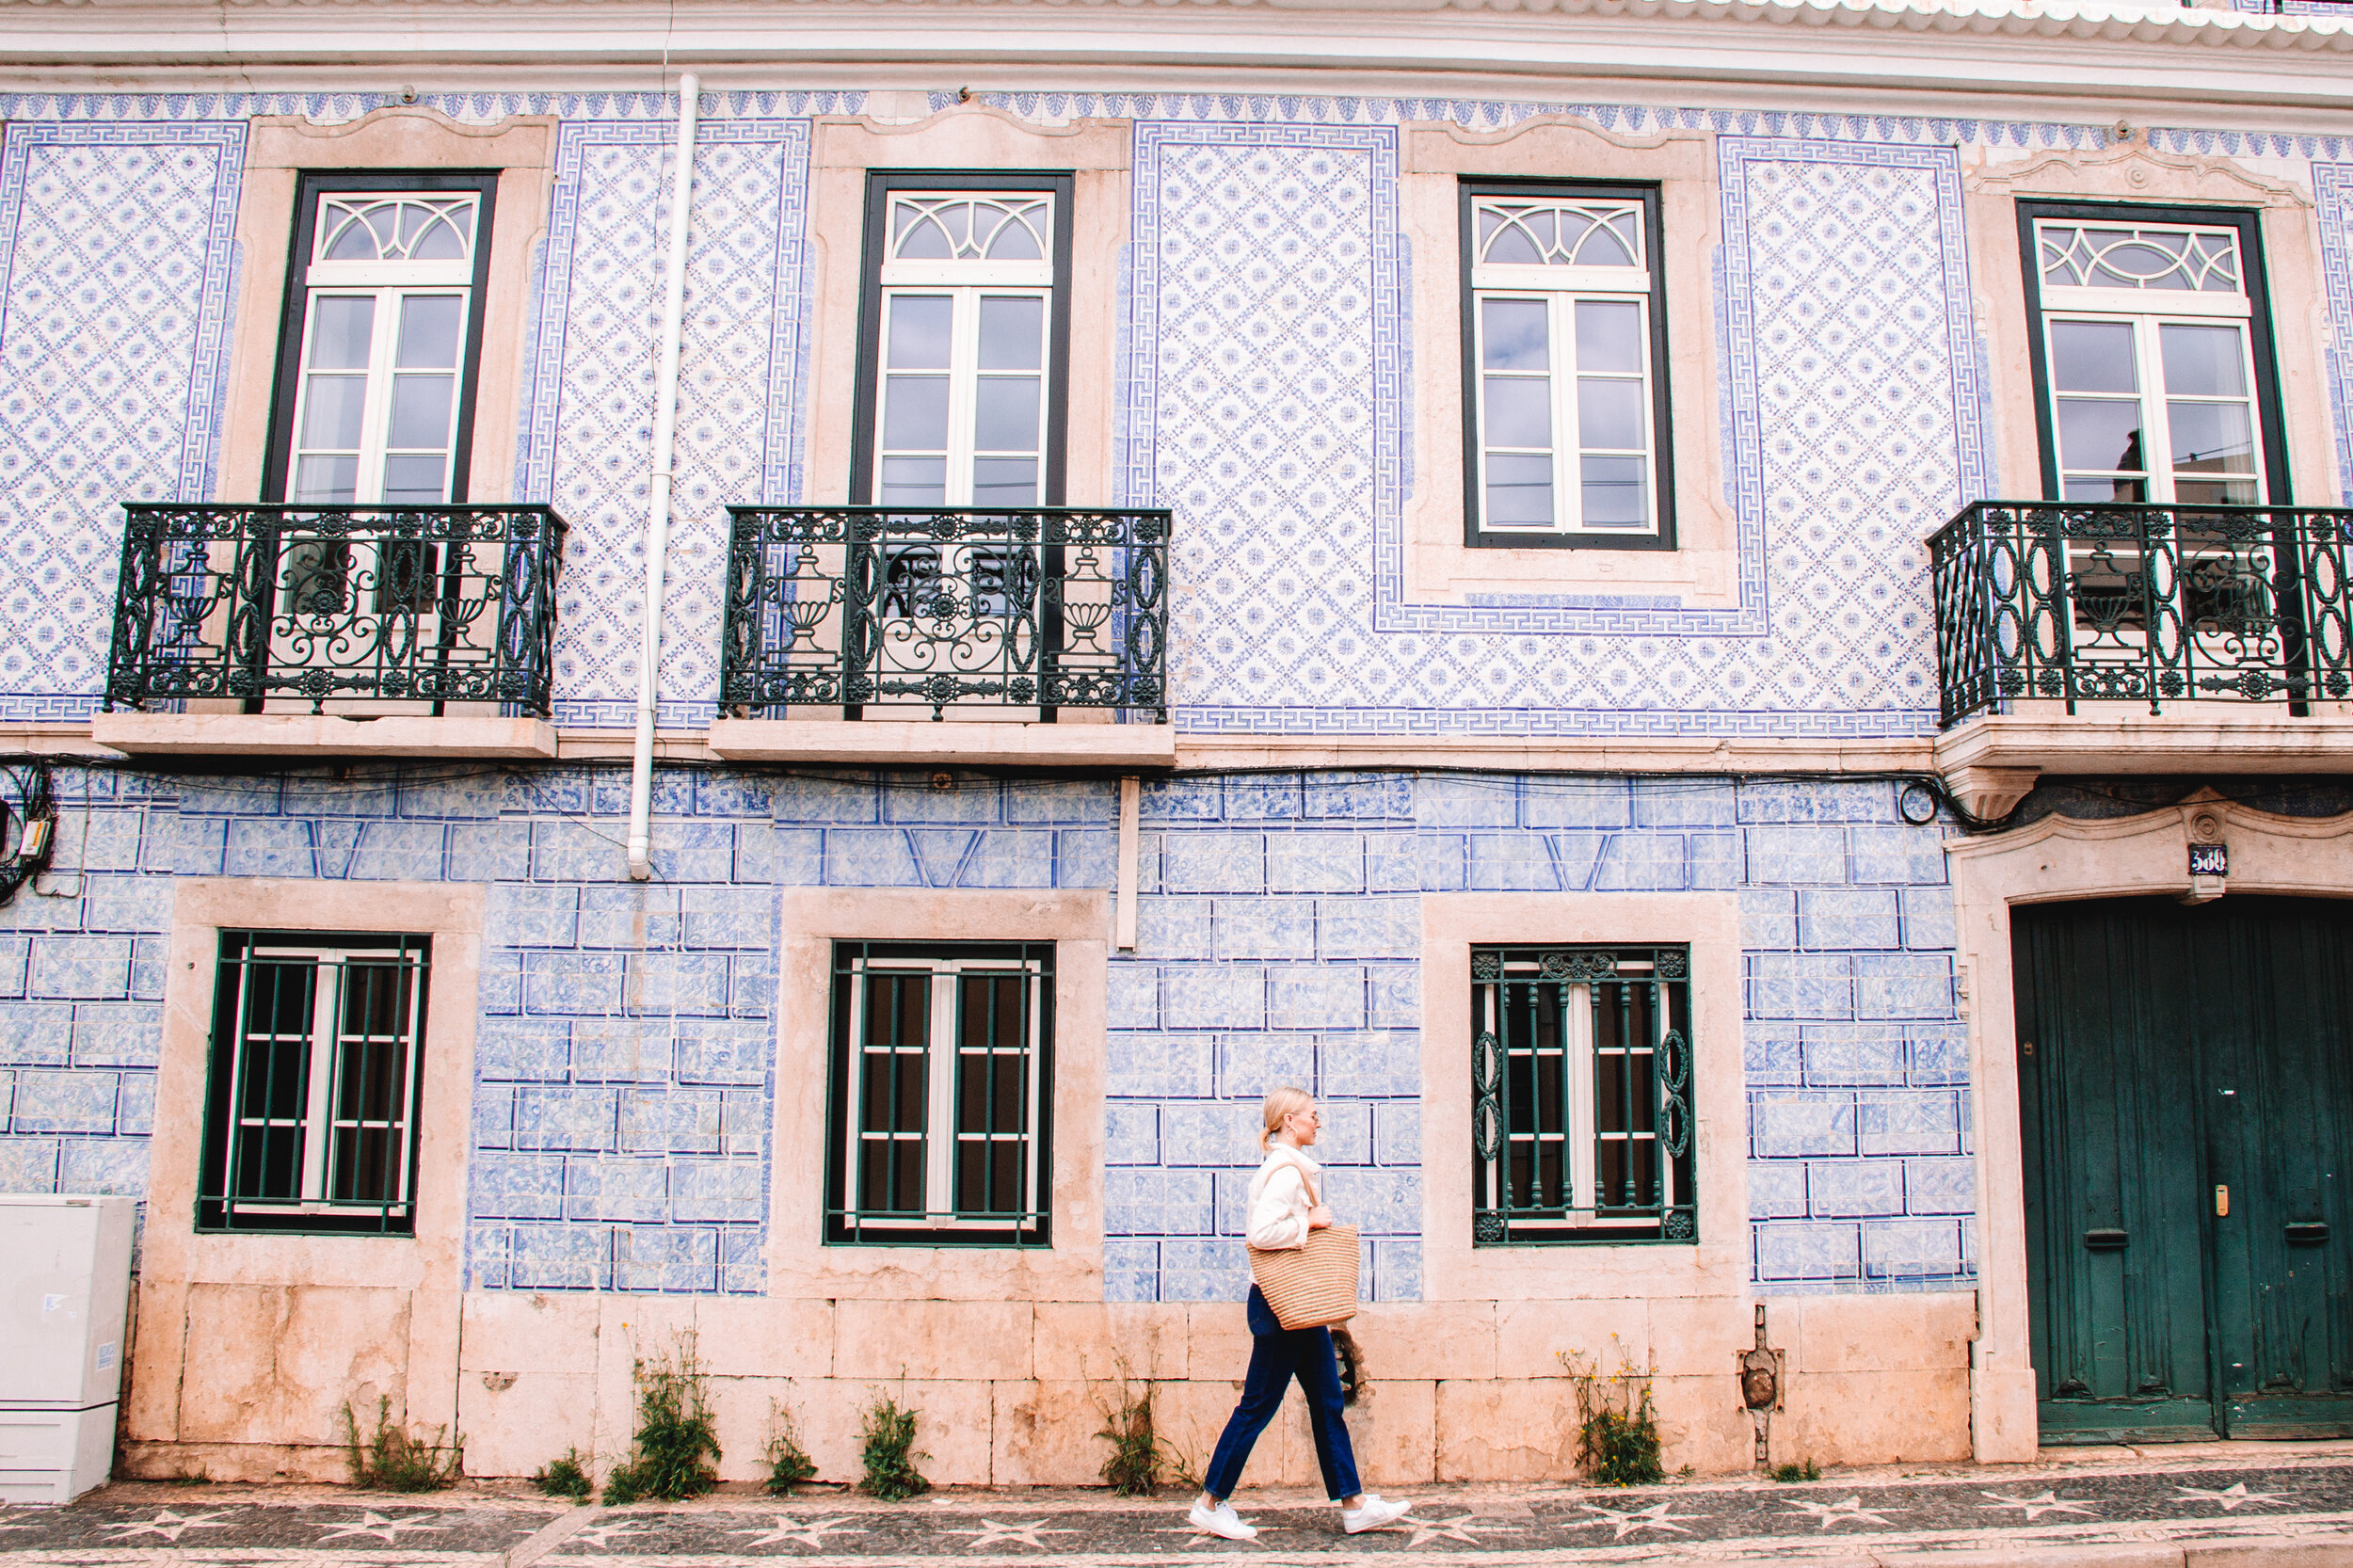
(869, 609)
(2075, 601)
(350, 609)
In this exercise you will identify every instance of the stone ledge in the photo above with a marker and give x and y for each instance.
(895, 743)
(1991, 762)
(293, 735)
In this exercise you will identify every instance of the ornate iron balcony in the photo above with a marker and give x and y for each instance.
(408, 605)
(868, 607)
(2102, 602)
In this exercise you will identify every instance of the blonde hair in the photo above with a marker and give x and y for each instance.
(1289, 1101)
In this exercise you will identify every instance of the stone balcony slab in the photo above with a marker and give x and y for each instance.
(947, 742)
(1991, 762)
(307, 735)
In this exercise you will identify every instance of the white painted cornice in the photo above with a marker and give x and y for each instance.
(2064, 50)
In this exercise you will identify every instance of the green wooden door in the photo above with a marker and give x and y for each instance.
(2169, 1056)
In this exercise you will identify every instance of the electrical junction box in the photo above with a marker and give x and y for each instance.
(65, 1294)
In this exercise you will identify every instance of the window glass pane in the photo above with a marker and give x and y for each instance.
(1615, 492)
(1007, 414)
(326, 481)
(2099, 433)
(1013, 333)
(1519, 411)
(915, 413)
(1004, 482)
(2093, 357)
(342, 327)
(416, 479)
(2211, 438)
(428, 331)
(914, 482)
(1519, 491)
(1514, 334)
(2104, 489)
(421, 409)
(333, 407)
(1609, 413)
(2203, 362)
(1610, 336)
(918, 335)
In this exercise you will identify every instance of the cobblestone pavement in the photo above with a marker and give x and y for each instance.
(2251, 1504)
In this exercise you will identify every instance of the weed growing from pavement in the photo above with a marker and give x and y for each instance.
(1617, 1429)
(676, 1439)
(886, 1448)
(1133, 1469)
(789, 1464)
(391, 1461)
(198, 1476)
(1807, 1471)
(567, 1477)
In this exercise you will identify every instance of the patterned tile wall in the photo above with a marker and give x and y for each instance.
(116, 262)
(2332, 190)
(624, 1054)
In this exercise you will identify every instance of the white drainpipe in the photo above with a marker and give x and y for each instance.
(658, 489)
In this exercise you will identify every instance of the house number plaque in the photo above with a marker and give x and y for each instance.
(2209, 859)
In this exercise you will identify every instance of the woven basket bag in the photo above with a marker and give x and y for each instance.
(1310, 1287)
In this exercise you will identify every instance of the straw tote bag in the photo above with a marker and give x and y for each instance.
(1309, 1286)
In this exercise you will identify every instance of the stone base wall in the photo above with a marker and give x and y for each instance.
(1013, 1392)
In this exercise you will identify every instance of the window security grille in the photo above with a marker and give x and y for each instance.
(1581, 1126)
(942, 1081)
(317, 1056)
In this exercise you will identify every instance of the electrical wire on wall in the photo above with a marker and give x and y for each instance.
(29, 821)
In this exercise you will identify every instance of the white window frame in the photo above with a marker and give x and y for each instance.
(2147, 312)
(1561, 288)
(966, 281)
(945, 1052)
(389, 284)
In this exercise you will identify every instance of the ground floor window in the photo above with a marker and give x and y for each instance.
(317, 1052)
(1581, 1095)
(941, 1079)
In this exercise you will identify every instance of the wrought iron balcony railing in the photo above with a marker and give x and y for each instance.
(349, 605)
(865, 608)
(2102, 601)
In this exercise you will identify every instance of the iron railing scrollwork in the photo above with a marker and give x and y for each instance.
(2083, 602)
(870, 607)
(408, 605)
(1581, 1095)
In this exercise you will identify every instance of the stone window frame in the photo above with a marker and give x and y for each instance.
(801, 1261)
(1702, 570)
(1716, 1264)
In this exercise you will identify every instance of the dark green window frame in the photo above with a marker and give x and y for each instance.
(316, 1066)
(941, 1107)
(1581, 1095)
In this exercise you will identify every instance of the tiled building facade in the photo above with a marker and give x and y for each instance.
(1389, 748)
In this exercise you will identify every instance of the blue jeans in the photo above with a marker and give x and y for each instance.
(1277, 1355)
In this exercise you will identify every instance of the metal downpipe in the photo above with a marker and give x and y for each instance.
(658, 487)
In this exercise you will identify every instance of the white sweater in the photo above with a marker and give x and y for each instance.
(1281, 1195)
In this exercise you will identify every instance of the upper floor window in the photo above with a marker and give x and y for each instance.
(375, 375)
(317, 1055)
(1581, 1095)
(963, 336)
(1564, 355)
(2154, 352)
(941, 1084)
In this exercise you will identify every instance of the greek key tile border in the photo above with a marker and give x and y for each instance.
(2332, 193)
(468, 108)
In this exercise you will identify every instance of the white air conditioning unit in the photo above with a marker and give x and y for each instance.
(65, 1289)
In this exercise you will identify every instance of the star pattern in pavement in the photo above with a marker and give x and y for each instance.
(378, 1525)
(2035, 1508)
(806, 1532)
(1457, 1528)
(1846, 1511)
(169, 1525)
(1659, 1516)
(992, 1532)
(2230, 1498)
(602, 1535)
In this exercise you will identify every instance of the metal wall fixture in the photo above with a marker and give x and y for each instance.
(28, 825)
(336, 609)
(876, 611)
(2116, 602)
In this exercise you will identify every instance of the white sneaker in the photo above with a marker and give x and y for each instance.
(1371, 1513)
(1223, 1520)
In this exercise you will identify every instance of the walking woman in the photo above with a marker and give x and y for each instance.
(1285, 1205)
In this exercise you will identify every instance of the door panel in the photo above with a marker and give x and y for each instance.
(2167, 1054)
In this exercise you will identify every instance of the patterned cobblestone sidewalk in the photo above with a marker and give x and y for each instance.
(2288, 1506)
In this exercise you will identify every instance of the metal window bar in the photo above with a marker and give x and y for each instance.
(354, 606)
(1581, 1095)
(941, 1093)
(990, 612)
(318, 1058)
(2124, 601)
